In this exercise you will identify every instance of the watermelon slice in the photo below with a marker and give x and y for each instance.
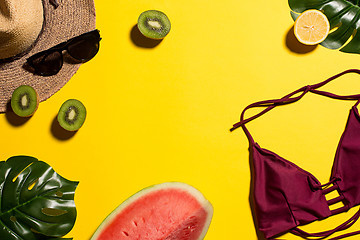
(167, 211)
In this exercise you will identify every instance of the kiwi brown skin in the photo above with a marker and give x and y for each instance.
(156, 16)
(14, 102)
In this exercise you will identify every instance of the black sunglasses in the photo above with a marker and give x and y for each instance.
(82, 48)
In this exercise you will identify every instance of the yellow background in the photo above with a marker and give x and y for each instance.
(163, 114)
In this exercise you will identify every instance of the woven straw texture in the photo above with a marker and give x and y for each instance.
(71, 18)
(20, 24)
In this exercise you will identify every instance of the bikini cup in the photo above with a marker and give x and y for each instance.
(285, 195)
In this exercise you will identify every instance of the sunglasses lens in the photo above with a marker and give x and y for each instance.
(47, 64)
(82, 48)
(85, 48)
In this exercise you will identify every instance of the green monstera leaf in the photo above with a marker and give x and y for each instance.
(344, 18)
(35, 202)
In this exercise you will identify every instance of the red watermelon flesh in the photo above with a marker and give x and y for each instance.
(170, 211)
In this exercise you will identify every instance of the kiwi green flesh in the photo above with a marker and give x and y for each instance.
(72, 115)
(154, 24)
(24, 101)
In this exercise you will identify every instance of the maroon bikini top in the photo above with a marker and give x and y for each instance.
(286, 196)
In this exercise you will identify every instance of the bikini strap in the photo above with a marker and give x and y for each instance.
(324, 234)
(313, 88)
(270, 104)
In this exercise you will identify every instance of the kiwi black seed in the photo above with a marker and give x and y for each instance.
(24, 101)
(154, 24)
(71, 115)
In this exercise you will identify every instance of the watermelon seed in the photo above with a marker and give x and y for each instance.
(135, 223)
(125, 233)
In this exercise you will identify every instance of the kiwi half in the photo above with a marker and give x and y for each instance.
(154, 24)
(24, 101)
(71, 115)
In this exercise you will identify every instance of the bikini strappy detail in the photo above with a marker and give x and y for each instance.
(285, 195)
(270, 104)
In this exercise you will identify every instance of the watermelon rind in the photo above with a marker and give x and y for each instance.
(167, 185)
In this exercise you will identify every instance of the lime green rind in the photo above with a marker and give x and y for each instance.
(165, 22)
(207, 206)
(344, 19)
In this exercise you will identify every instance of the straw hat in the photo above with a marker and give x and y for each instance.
(31, 26)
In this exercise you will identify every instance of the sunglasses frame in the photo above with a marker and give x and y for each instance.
(60, 48)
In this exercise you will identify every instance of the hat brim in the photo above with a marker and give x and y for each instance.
(70, 19)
